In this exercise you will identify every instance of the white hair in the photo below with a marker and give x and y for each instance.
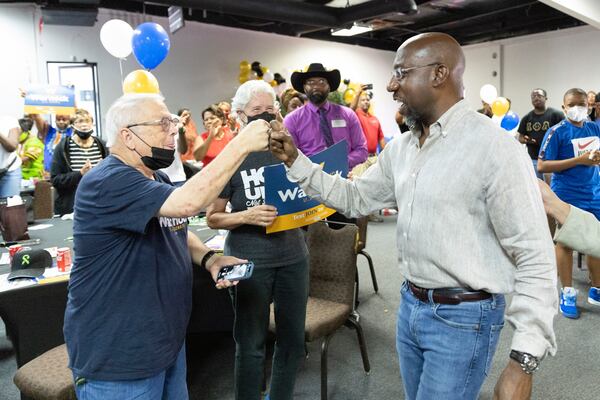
(247, 91)
(126, 110)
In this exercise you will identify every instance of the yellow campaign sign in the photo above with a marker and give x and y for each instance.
(298, 219)
(49, 110)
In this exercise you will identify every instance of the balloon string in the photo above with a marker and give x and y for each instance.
(121, 69)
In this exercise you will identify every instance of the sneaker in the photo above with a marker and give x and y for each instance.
(568, 302)
(594, 296)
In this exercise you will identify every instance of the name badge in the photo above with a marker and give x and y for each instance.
(338, 123)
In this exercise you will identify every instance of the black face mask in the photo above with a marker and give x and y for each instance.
(265, 116)
(161, 158)
(83, 135)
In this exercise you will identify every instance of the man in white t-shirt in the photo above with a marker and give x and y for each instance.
(10, 162)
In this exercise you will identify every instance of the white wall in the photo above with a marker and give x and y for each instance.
(18, 50)
(555, 61)
(201, 68)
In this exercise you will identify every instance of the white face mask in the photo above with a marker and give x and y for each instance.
(577, 113)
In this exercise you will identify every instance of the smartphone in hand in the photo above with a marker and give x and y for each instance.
(236, 272)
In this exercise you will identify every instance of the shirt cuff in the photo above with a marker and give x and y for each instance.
(300, 169)
(526, 343)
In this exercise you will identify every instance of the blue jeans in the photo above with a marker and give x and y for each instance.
(10, 184)
(169, 384)
(537, 173)
(446, 351)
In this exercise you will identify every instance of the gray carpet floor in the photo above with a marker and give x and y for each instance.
(574, 373)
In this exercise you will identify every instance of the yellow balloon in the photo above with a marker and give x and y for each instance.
(264, 70)
(273, 83)
(245, 66)
(140, 81)
(354, 86)
(349, 95)
(243, 78)
(500, 106)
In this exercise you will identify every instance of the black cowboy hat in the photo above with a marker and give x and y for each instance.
(316, 70)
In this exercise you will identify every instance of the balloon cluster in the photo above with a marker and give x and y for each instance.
(150, 45)
(253, 71)
(500, 107)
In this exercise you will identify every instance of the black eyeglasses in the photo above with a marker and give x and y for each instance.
(401, 73)
(165, 123)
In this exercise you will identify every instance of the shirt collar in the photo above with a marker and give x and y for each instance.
(326, 106)
(447, 119)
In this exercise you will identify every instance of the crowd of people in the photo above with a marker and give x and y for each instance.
(451, 174)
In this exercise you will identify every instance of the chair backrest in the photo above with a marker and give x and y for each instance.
(43, 200)
(362, 224)
(332, 262)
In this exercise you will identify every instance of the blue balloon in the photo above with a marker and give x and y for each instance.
(151, 44)
(510, 121)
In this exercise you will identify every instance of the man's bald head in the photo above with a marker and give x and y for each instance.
(440, 48)
(428, 76)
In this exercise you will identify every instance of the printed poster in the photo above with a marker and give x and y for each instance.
(50, 99)
(294, 207)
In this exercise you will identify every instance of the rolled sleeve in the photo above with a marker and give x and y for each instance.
(580, 232)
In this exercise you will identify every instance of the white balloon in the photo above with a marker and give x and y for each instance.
(268, 76)
(497, 119)
(488, 93)
(115, 36)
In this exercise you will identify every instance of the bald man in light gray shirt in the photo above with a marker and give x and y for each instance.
(471, 228)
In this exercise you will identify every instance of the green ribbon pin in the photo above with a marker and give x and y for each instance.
(25, 260)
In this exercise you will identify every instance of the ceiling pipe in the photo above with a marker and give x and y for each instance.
(295, 12)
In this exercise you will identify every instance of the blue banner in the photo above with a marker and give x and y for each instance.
(50, 99)
(294, 207)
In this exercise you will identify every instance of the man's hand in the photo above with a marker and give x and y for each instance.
(217, 264)
(513, 384)
(262, 215)
(86, 167)
(283, 147)
(585, 159)
(185, 118)
(255, 135)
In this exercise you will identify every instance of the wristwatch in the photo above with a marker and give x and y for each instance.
(528, 363)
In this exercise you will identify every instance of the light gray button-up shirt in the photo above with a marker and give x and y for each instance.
(470, 215)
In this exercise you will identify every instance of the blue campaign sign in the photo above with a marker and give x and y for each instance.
(50, 99)
(294, 207)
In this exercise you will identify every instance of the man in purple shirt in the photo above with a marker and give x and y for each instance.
(320, 124)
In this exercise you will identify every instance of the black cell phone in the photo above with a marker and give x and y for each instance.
(368, 86)
(236, 272)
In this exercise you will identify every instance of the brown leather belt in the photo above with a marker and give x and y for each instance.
(448, 295)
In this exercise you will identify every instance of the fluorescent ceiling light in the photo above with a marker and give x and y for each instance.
(356, 29)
